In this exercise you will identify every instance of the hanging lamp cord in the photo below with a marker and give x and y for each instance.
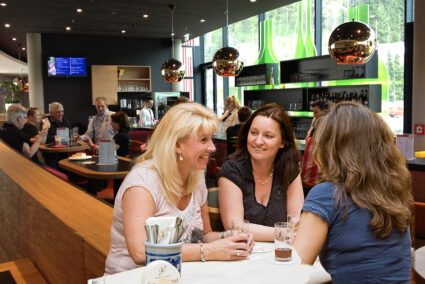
(172, 6)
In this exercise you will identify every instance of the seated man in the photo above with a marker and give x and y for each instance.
(232, 131)
(11, 132)
(57, 120)
(100, 127)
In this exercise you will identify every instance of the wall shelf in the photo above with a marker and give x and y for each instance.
(109, 80)
(324, 68)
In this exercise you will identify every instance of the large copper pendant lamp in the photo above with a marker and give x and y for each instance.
(352, 43)
(172, 70)
(226, 61)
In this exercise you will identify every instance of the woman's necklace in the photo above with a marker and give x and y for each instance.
(265, 181)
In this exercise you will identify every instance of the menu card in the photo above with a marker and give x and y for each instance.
(64, 133)
(107, 153)
(405, 144)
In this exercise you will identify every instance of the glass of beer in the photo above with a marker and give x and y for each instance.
(282, 241)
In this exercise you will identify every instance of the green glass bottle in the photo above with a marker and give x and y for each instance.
(301, 51)
(266, 54)
(309, 43)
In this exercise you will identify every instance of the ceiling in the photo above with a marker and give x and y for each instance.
(110, 17)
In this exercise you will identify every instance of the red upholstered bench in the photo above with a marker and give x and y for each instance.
(56, 172)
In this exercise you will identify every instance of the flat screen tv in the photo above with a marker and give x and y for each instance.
(66, 66)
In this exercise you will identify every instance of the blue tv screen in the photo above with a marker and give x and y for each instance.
(66, 66)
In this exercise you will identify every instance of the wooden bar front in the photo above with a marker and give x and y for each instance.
(61, 229)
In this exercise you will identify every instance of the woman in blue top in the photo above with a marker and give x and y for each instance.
(358, 217)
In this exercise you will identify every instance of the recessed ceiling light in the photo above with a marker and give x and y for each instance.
(14, 38)
(79, 10)
(7, 25)
(145, 16)
(3, 4)
(123, 31)
(202, 20)
(114, 13)
(23, 48)
(252, 1)
(68, 28)
(173, 34)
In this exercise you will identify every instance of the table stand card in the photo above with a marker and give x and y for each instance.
(107, 153)
(405, 144)
(64, 133)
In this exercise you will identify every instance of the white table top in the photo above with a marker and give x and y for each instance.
(259, 268)
(419, 264)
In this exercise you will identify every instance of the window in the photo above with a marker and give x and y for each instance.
(187, 56)
(388, 23)
(243, 36)
(212, 42)
(285, 30)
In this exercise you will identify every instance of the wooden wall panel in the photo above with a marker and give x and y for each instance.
(61, 229)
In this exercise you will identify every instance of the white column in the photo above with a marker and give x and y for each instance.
(35, 71)
(177, 87)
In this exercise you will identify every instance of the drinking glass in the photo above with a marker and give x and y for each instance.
(240, 226)
(293, 221)
(58, 140)
(282, 244)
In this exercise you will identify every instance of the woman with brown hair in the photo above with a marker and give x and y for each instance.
(358, 217)
(261, 181)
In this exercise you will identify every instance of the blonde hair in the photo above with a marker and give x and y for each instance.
(179, 123)
(234, 100)
(355, 150)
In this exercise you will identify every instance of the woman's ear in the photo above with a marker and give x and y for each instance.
(178, 148)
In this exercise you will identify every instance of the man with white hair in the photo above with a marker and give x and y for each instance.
(57, 120)
(11, 132)
(100, 127)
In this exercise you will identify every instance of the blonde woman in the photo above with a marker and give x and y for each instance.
(230, 116)
(168, 180)
(358, 217)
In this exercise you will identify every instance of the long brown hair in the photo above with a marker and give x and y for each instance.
(287, 159)
(355, 150)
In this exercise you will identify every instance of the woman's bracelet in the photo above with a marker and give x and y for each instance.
(202, 252)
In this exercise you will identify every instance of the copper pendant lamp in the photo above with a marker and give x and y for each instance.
(226, 61)
(352, 43)
(172, 70)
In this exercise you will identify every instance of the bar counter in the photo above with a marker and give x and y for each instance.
(64, 231)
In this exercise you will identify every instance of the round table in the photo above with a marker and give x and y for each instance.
(80, 147)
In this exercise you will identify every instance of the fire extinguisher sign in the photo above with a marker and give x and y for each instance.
(419, 129)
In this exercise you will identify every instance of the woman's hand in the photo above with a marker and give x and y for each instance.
(233, 248)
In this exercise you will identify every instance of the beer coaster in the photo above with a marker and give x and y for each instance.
(292, 261)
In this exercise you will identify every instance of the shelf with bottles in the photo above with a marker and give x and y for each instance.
(324, 68)
(300, 99)
(261, 74)
(367, 95)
